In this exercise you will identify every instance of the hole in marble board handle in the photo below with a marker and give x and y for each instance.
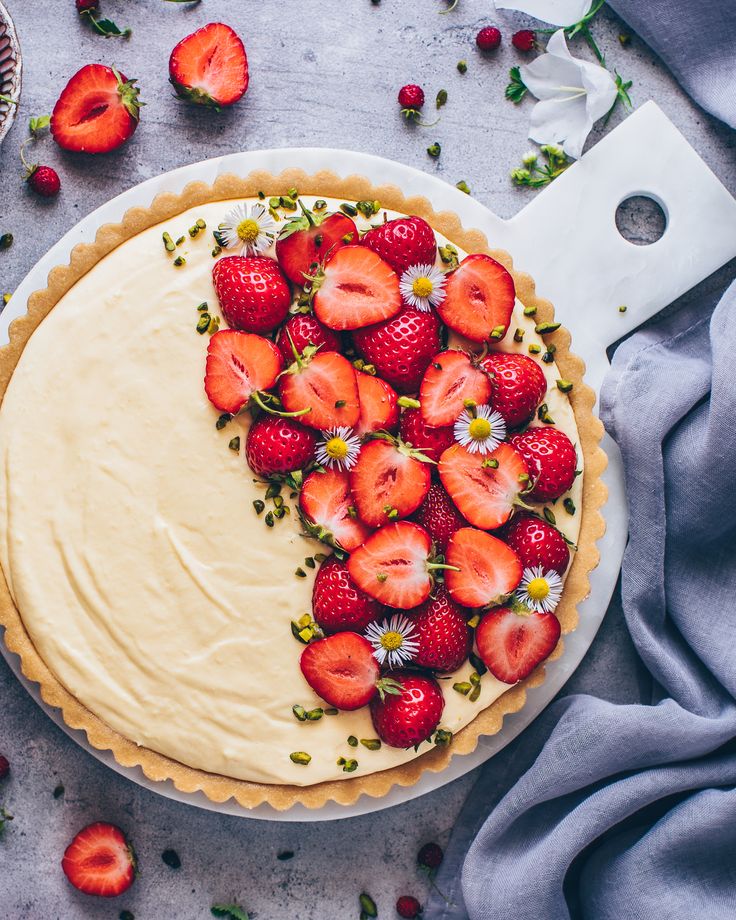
(642, 218)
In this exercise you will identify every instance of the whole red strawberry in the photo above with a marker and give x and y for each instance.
(44, 181)
(524, 40)
(551, 460)
(518, 385)
(445, 639)
(338, 604)
(401, 348)
(403, 242)
(439, 516)
(4, 766)
(253, 293)
(305, 329)
(430, 857)
(87, 6)
(488, 39)
(408, 907)
(278, 445)
(410, 717)
(537, 543)
(431, 441)
(411, 96)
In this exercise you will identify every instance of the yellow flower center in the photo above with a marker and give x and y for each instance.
(422, 287)
(479, 429)
(336, 448)
(248, 230)
(391, 641)
(538, 589)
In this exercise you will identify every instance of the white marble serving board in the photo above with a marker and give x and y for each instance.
(566, 238)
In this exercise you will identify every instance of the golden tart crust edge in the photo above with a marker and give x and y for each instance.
(217, 788)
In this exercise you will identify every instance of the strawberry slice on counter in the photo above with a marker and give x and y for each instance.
(513, 643)
(518, 385)
(388, 481)
(489, 570)
(444, 637)
(275, 446)
(305, 329)
(551, 459)
(342, 670)
(417, 433)
(439, 517)
(479, 299)
(97, 111)
(253, 294)
(536, 543)
(239, 364)
(379, 410)
(393, 565)
(326, 502)
(403, 242)
(408, 718)
(356, 288)
(401, 348)
(305, 241)
(486, 489)
(100, 861)
(450, 379)
(210, 66)
(338, 604)
(325, 384)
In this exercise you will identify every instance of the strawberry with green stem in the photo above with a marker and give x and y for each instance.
(305, 241)
(322, 387)
(44, 180)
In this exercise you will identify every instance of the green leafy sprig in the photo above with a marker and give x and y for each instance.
(533, 174)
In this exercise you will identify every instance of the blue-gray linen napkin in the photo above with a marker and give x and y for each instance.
(608, 811)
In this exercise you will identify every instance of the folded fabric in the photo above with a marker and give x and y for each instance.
(627, 811)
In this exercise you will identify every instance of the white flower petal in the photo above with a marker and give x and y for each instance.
(555, 12)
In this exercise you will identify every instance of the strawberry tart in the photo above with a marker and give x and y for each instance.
(301, 488)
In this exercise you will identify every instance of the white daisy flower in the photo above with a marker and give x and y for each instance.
(423, 287)
(338, 449)
(395, 641)
(480, 429)
(540, 589)
(251, 228)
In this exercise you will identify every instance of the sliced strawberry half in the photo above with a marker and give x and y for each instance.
(325, 384)
(326, 503)
(479, 299)
(342, 670)
(388, 481)
(450, 379)
(357, 289)
(379, 410)
(100, 861)
(210, 66)
(238, 364)
(486, 489)
(97, 110)
(513, 643)
(489, 570)
(305, 241)
(393, 565)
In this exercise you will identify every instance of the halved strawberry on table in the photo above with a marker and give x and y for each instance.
(253, 293)
(394, 565)
(338, 604)
(442, 631)
(479, 299)
(401, 348)
(450, 380)
(439, 516)
(512, 642)
(417, 433)
(307, 240)
(389, 481)
(409, 717)
(276, 446)
(328, 512)
(304, 329)
(239, 365)
(518, 385)
(485, 488)
(342, 670)
(100, 861)
(323, 383)
(379, 410)
(355, 288)
(97, 111)
(403, 242)
(210, 66)
(485, 569)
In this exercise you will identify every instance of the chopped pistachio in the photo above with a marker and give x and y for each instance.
(548, 357)
(449, 255)
(6, 298)
(278, 501)
(569, 506)
(200, 224)
(623, 308)
(474, 678)
(442, 736)
(273, 490)
(284, 855)
(564, 386)
(462, 687)
(498, 332)
(441, 98)
(259, 506)
(319, 205)
(477, 663)
(407, 402)
(293, 193)
(234, 443)
(300, 757)
(490, 463)
(462, 66)
(524, 477)
(223, 420)
(352, 741)
(300, 712)
(348, 209)
(288, 203)
(368, 208)
(6, 241)
(463, 186)
(320, 557)
(314, 715)
(179, 261)
(373, 744)
(546, 328)
(274, 202)
(299, 572)
(339, 403)
(309, 562)
(214, 325)
(368, 905)
(544, 416)
(534, 349)
(530, 311)
(202, 307)
(269, 519)
(381, 576)
(474, 693)
(549, 516)
(216, 251)
(169, 244)
(474, 620)
(370, 369)
(203, 323)
(331, 711)
(624, 38)
(435, 149)
(519, 335)
(180, 240)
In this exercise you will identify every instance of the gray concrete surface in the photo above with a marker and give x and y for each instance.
(323, 73)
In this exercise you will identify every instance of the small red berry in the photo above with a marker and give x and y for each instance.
(411, 96)
(488, 39)
(4, 766)
(87, 6)
(430, 856)
(524, 40)
(44, 181)
(408, 907)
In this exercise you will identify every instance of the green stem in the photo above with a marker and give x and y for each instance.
(256, 397)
